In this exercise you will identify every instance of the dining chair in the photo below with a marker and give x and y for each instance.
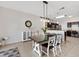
(58, 43)
(36, 46)
(49, 45)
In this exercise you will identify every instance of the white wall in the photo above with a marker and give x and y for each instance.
(36, 7)
(12, 24)
(32, 7)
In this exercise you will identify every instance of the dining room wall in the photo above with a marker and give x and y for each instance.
(12, 24)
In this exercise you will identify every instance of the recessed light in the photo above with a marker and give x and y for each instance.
(70, 16)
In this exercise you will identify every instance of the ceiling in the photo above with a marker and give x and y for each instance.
(71, 8)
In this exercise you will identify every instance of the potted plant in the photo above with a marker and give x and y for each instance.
(44, 30)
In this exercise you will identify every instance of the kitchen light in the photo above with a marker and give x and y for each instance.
(45, 20)
(60, 16)
(70, 16)
(45, 12)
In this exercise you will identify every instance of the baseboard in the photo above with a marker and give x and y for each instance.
(18, 42)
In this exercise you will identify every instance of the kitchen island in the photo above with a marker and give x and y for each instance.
(57, 32)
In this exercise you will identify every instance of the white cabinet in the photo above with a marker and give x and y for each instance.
(57, 32)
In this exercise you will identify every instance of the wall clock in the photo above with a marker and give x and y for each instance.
(28, 23)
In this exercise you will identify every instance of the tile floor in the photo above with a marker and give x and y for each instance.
(69, 49)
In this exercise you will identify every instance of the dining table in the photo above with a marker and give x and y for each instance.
(38, 40)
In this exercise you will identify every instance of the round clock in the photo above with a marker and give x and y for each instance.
(28, 23)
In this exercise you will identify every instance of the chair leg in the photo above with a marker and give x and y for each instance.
(33, 44)
(60, 50)
(39, 50)
(36, 47)
(54, 51)
(48, 52)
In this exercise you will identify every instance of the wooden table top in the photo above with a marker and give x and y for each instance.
(40, 39)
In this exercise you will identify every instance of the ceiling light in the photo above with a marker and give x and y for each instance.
(70, 16)
(60, 16)
(45, 20)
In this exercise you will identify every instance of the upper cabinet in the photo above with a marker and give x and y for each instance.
(53, 26)
(70, 24)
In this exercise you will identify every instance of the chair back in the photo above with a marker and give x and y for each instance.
(52, 40)
(58, 38)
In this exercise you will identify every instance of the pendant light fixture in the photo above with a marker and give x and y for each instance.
(63, 15)
(45, 8)
(44, 18)
(45, 12)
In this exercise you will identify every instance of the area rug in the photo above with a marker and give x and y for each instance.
(13, 52)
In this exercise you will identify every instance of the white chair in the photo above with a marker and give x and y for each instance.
(50, 45)
(52, 41)
(36, 46)
(55, 42)
(58, 43)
